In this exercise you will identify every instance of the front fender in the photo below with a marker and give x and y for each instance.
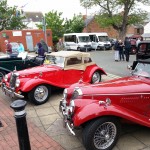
(94, 110)
(31, 83)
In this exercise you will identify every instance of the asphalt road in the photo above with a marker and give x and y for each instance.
(105, 59)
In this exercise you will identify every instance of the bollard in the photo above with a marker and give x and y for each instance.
(22, 130)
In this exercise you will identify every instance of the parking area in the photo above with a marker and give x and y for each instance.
(46, 119)
(46, 130)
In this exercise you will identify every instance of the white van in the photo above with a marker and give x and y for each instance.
(100, 41)
(77, 41)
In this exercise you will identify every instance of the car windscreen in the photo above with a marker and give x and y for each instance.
(54, 60)
(142, 69)
(103, 38)
(84, 39)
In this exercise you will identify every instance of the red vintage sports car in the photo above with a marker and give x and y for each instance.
(60, 69)
(99, 109)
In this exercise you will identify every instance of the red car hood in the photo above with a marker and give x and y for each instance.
(119, 86)
(38, 69)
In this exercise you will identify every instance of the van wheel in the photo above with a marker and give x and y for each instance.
(96, 77)
(78, 49)
(98, 48)
(40, 94)
(101, 134)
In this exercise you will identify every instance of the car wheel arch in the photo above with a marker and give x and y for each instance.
(89, 73)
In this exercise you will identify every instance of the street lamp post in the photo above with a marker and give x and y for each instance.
(44, 29)
(86, 4)
(86, 19)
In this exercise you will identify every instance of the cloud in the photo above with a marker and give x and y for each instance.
(67, 7)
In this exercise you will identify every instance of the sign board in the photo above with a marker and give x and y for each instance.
(17, 33)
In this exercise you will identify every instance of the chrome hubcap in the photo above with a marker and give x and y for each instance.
(41, 93)
(104, 135)
(96, 77)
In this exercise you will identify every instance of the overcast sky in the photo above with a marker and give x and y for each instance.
(68, 7)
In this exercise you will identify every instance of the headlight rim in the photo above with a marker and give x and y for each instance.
(6, 78)
(65, 94)
(17, 84)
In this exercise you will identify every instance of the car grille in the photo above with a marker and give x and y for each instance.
(12, 81)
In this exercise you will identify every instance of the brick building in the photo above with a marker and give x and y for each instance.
(29, 38)
(92, 26)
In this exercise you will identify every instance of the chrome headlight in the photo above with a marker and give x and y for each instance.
(17, 83)
(65, 93)
(71, 107)
(77, 92)
(6, 78)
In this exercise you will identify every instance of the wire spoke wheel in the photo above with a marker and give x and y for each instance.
(101, 134)
(104, 135)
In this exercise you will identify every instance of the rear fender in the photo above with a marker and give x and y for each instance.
(89, 72)
(94, 110)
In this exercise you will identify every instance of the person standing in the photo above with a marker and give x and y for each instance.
(137, 42)
(127, 46)
(8, 47)
(41, 50)
(116, 48)
(44, 45)
(60, 45)
(121, 54)
(20, 47)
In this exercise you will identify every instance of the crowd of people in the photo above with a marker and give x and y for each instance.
(123, 49)
(42, 47)
(9, 49)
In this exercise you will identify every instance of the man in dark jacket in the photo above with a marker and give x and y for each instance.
(127, 46)
(41, 50)
(44, 45)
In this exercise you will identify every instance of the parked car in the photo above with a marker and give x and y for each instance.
(60, 70)
(112, 41)
(20, 62)
(143, 50)
(133, 40)
(101, 108)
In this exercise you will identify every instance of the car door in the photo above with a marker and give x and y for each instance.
(73, 70)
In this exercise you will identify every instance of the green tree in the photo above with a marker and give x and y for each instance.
(75, 25)
(9, 19)
(118, 13)
(54, 22)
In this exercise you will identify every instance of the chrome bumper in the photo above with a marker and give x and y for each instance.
(10, 92)
(66, 121)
